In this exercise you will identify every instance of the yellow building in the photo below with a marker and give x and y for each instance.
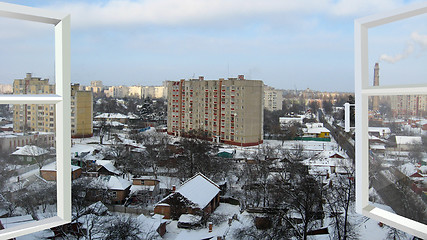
(41, 117)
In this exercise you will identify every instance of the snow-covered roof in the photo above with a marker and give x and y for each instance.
(377, 147)
(80, 148)
(317, 130)
(189, 218)
(137, 188)
(199, 189)
(112, 116)
(379, 129)
(113, 182)
(227, 150)
(30, 150)
(408, 140)
(109, 165)
(52, 167)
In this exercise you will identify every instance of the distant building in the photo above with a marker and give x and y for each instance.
(229, 111)
(273, 98)
(409, 105)
(41, 117)
(95, 87)
(10, 141)
(6, 89)
(316, 130)
(117, 91)
(154, 92)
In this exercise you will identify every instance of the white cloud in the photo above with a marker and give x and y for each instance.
(173, 12)
(417, 40)
(392, 59)
(359, 8)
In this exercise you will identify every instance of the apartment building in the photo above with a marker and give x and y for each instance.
(81, 112)
(41, 117)
(229, 110)
(147, 91)
(409, 105)
(273, 98)
(95, 87)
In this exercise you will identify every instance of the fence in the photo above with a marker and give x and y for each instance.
(123, 209)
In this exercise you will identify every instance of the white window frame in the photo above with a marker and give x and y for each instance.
(363, 91)
(63, 108)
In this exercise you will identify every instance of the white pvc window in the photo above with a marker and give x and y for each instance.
(61, 99)
(363, 91)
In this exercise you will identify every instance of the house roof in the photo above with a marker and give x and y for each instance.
(113, 182)
(199, 189)
(112, 116)
(408, 140)
(108, 165)
(317, 130)
(30, 150)
(52, 167)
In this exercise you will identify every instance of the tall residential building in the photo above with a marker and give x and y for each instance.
(41, 117)
(409, 105)
(229, 110)
(272, 98)
(81, 112)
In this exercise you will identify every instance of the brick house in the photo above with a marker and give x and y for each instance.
(199, 196)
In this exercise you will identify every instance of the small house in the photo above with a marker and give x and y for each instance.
(144, 189)
(48, 172)
(30, 154)
(199, 196)
(316, 130)
(117, 187)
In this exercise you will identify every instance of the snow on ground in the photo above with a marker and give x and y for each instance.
(224, 211)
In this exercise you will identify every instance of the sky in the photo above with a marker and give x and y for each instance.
(289, 44)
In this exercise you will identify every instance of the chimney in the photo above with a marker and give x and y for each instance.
(241, 77)
(201, 78)
(377, 75)
(173, 188)
(28, 76)
(210, 226)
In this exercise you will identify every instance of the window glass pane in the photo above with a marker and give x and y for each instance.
(27, 165)
(26, 47)
(400, 49)
(397, 158)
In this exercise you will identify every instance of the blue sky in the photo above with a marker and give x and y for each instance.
(288, 44)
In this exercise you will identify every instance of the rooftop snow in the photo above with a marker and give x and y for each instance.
(52, 167)
(112, 116)
(30, 150)
(199, 190)
(408, 140)
(113, 182)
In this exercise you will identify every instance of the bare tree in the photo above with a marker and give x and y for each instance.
(125, 228)
(339, 197)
